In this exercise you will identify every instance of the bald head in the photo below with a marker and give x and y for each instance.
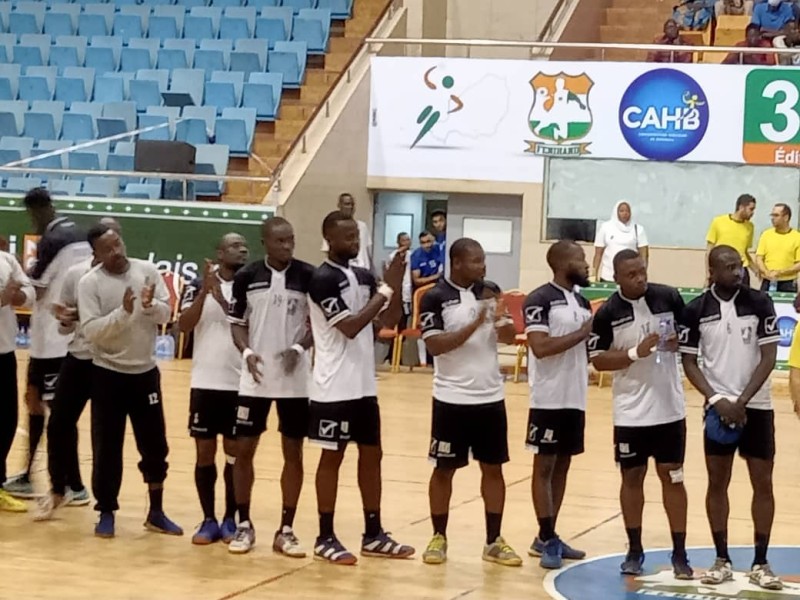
(725, 268)
(112, 224)
(560, 253)
(567, 260)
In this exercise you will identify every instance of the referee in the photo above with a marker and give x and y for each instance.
(122, 302)
(733, 327)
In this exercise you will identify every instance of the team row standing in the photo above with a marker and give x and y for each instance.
(638, 333)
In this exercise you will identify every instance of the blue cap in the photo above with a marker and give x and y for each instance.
(719, 432)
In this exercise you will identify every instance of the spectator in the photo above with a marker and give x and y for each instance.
(347, 205)
(426, 263)
(439, 222)
(3, 244)
(752, 39)
(618, 233)
(671, 37)
(694, 15)
(772, 16)
(778, 252)
(735, 230)
(403, 245)
(789, 39)
(733, 7)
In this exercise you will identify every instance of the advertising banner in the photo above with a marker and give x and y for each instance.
(497, 119)
(176, 236)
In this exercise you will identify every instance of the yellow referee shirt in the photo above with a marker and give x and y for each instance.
(724, 231)
(780, 251)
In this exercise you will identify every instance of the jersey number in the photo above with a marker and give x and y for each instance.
(152, 398)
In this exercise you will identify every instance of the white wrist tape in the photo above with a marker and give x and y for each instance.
(386, 290)
(633, 354)
(715, 398)
(298, 348)
(247, 353)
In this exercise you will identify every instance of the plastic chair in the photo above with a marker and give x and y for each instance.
(248, 13)
(313, 26)
(187, 46)
(62, 57)
(266, 26)
(106, 11)
(125, 111)
(341, 10)
(17, 108)
(210, 12)
(170, 59)
(259, 4)
(72, 41)
(297, 5)
(152, 46)
(140, 10)
(23, 145)
(109, 41)
(73, 11)
(209, 61)
(69, 90)
(162, 133)
(8, 125)
(109, 89)
(101, 60)
(189, 81)
(164, 28)
(11, 72)
(235, 78)
(231, 28)
(64, 187)
(207, 113)
(152, 191)
(22, 184)
(145, 93)
(40, 126)
(58, 24)
(413, 330)
(28, 56)
(134, 59)
(198, 29)
(102, 187)
(19, 23)
(264, 98)
(123, 162)
(91, 26)
(127, 27)
(78, 127)
(245, 63)
(85, 74)
(6, 92)
(191, 131)
(175, 12)
(34, 88)
(289, 59)
(255, 46)
(228, 130)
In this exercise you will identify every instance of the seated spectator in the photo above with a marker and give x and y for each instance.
(694, 15)
(671, 37)
(772, 16)
(789, 39)
(752, 39)
(733, 7)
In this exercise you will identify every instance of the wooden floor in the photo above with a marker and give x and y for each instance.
(62, 559)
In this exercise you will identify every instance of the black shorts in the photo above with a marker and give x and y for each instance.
(666, 443)
(333, 424)
(43, 375)
(556, 431)
(212, 413)
(458, 430)
(757, 439)
(252, 413)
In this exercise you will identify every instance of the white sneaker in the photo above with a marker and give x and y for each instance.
(720, 572)
(286, 543)
(244, 539)
(763, 577)
(45, 508)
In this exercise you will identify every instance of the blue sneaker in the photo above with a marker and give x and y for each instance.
(20, 486)
(105, 526)
(206, 533)
(567, 551)
(160, 523)
(633, 565)
(227, 529)
(551, 556)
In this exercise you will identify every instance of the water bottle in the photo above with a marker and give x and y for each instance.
(18, 340)
(665, 329)
(773, 286)
(24, 338)
(165, 347)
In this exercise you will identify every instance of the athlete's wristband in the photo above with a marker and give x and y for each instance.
(386, 290)
(633, 354)
(715, 398)
(247, 353)
(297, 348)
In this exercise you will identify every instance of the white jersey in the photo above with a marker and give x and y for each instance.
(274, 306)
(559, 381)
(216, 362)
(646, 393)
(79, 346)
(729, 335)
(344, 369)
(11, 270)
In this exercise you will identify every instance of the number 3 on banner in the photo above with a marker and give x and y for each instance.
(786, 108)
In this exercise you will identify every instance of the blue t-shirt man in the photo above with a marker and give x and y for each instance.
(439, 222)
(770, 16)
(426, 262)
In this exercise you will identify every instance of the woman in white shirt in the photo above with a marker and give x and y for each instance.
(618, 233)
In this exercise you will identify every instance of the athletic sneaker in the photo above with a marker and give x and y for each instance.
(763, 577)
(227, 529)
(720, 572)
(567, 551)
(331, 549)
(436, 552)
(681, 567)
(551, 557)
(243, 540)
(105, 526)
(158, 522)
(383, 546)
(286, 543)
(633, 565)
(501, 553)
(20, 486)
(10, 504)
(206, 533)
(77, 497)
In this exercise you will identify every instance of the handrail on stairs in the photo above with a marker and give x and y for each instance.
(547, 28)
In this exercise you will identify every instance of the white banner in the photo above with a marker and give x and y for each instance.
(484, 119)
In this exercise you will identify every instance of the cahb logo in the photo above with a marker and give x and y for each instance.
(560, 114)
(786, 327)
(663, 114)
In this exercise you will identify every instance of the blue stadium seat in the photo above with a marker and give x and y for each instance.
(12, 73)
(255, 46)
(58, 24)
(289, 59)
(28, 56)
(127, 27)
(126, 77)
(23, 145)
(108, 41)
(206, 188)
(140, 10)
(20, 23)
(173, 113)
(125, 148)
(78, 127)
(189, 81)
(51, 107)
(64, 187)
(95, 109)
(208, 114)
(69, 90)
(134, 59)
(161, 134)
(109, 88)
(248, 13)
(275, 25)
(151, 191)
(17, 108)
(259, 4)
(35, 8)
(211, 12)
(49, 73)
(152, 46)
(103, 10)
(22, 184)
(245, 63)
(9, 156)
(126, 111)
(164, 28)
(209, 61)
(34, 88)
(71, 10)
(170, 59)
(224, 3)
(235, 129)
(8, 125)
(264, 96)
(48, 162)
(101, 60)
(221, 94)
(236, 78)
(6, 92)
(313, 26)
(78, 42)
(122, 162)
(340, 9)
(85, 74)
(8, 41)
(224, 46)
(5, 12)
(102, 187)
(176, 12)
(145, 93)
(41, 40)
(198, 29)
(187, 46)
(64, 56)
(231, 28)
(191, 131)
(90, 25)
(40, 126)
(298, 5)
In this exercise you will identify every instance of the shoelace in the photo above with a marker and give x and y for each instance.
(506, 549)
(437, 543)
(240, 535)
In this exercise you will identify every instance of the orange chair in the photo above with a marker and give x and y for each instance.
(514, 301)
(411, 332)
(390, 334)
(595, 305)
(175, 288)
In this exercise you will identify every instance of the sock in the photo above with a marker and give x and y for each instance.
(762, 541)
(156, 499)
(547, 528)
(679, 542)
(287, 516)
(325, 525)
(230, 497)
(440, 524)
(204, 478)
(372, 523)
(634, 540)
(493, 522)
(35, 431)
(721, 544)
(244, 512)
